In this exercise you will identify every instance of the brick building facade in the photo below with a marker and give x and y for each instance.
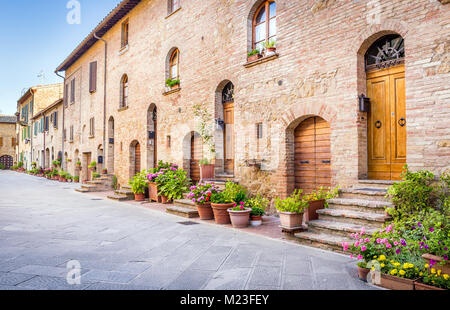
(7, 140)
(289, 119)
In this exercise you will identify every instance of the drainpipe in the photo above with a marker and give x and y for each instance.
(63, 121)
(31, 130)
(104, 101)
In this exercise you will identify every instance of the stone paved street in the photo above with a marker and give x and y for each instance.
(44, 225)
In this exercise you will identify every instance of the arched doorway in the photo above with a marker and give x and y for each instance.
(47, 159)
(7, 161)
(224, 136)
(100, 159)
(152, 145)
(196, 156)
(111, 141)
(135, 158)
(312, 154)
(386, 128)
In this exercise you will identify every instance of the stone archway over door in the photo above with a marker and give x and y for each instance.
(312, 154)
(196, 156)
(7, 161)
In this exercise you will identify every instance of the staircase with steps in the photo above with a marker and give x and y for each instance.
(184, 208)
(102, 184)
(123, 194)
(361, 206)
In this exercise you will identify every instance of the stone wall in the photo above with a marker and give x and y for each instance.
(7, 133)
(319, 72)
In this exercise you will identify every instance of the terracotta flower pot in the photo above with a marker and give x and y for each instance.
(439, 260)
(175, 86)
(153, 192)
(139, 197)
(205, 211)
(418, 286)
(207, 172)
(396, 283)
(255, 221)
(363, 273)
(311, 212)
(240, 219)
(165, 200)
(221, 214)
(254, 57)
(291, 220)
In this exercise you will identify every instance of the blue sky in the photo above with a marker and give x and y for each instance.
(37, 37)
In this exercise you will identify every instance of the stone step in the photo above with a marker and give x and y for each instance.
(185, 203)
(119, 197)
(376, 183)
(362, 205)
(183, 212)
(377, 194)
(366, 219)
(96, 182)
(82, 190)
(322, 241)
(126, 187)
(337, 228)
(90, 188)
(124, 192)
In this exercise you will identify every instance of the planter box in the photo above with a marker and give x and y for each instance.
(314, 206)
(424, 287)
(291, 220)
(254, 57)
(396, 283)
(205, 211)
(240, 219)
(221, 214)
(207, 172)
(445, 268)
(153, 192)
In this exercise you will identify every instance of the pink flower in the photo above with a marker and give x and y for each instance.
(363, 231)
(388, 245)
(367, 240)
(396, 243)
(360, 257)
(345, 246)
(363, 248)
(357, 244)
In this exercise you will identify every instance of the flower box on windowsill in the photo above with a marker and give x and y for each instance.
(264, 59)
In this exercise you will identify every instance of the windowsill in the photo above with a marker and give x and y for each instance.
(173, 12)
(172, 91)
(91, 137)
(71, 141)
(261, 60)
(123, 50)
(122, 109)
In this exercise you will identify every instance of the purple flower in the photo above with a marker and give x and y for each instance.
(419, 224)
(403, 241)
(431, 229)
(445, 257)
(398, 251)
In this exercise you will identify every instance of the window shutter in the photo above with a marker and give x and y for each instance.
(72, 91)
(93, 77)
(66, 95)
(1, 141)
(55, 120)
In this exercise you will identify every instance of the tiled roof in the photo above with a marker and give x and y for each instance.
(8, 119)
(122, 9)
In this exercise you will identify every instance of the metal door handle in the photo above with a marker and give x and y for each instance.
(378, 124)
(402, 122)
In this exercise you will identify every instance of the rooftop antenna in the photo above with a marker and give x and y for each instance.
(41, 75)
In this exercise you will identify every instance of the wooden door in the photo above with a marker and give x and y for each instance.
(196, 156)
(312, 154)
(88, 171)
(387, 123)
(228, 112)
(137, 159)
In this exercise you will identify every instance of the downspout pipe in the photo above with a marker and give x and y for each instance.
(105, 149)
(63, 160)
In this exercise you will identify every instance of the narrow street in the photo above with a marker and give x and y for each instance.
(44, 225)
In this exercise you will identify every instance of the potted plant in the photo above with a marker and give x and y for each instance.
(105, 171)
(363, 271)
(34, 165)
(270, 47)
(78, 165)
(138, 185)
(440, 262)
(253, 55)
(222, 201)
(258, 205)
(173, 83)
(239, 215)
(291, 210)
(433, 280)
(206, 169)
(56, 163)
(317, 200)
(76, 179)
(206, 131)
(93, 166)
(95, 175)
(172, 184)
(201, 196)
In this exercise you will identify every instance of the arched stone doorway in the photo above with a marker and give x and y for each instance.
(135, 158)
(100, 159)
(48, 164)
(152, 144)
(110, 161)
(7, 161)
(312, 154)
(225, 136)
(386, 119)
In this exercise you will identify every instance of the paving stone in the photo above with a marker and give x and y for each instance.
(118, 287)
(191, 280)
(264, 275)
(230, 279)
(212, 259)
(108, 276)
(298, 282)
(42, 271)
(13, 279)
(52, 283)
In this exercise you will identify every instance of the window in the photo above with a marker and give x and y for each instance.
(65, 134)
(174, 65)
(71, 133)
(169, 142)
(124, 92)
(125, 32)
(13, 142)
(72, 91)
(93, 77)
(265, 24)
(1, 142)
(173, 5)
(259, 131)
(91, 127)
(54, 119)
(46, 123)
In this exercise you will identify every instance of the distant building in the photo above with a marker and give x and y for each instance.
(7, 140)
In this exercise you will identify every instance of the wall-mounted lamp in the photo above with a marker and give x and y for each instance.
(220, 124)
(364, 104)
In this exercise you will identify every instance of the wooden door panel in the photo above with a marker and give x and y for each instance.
(137, 159)
(229, 138)
(196, 156)
(398, 118)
